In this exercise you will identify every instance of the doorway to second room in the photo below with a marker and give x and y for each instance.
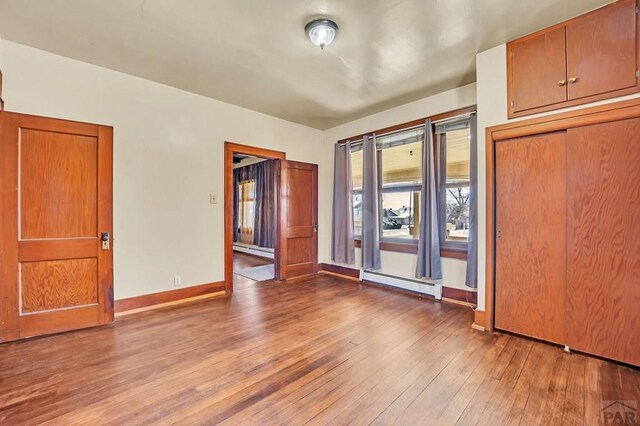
(254, 218)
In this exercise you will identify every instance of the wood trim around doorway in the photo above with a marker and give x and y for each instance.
(229, 149)
(582, 117)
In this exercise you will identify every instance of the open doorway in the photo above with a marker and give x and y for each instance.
(252, 212)
(254, 218)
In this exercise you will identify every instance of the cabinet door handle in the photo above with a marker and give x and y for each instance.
(561, 82)
(573, 80)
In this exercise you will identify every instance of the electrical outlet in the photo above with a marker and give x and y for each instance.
(213, 199)
(177, 281)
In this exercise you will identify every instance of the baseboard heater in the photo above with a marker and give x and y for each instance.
(417, 286)
(253, 251)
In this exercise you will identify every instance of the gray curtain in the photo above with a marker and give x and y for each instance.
(342, 250)
(370, 205)
(429, 265)
(472, 249)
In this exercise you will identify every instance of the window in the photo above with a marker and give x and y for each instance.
(400, 183)
(453, 140)
(246, 210)
(400, 166)
(400, 158)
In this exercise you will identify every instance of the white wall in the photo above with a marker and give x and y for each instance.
(168, 157)
(491, 75)
(398, 264)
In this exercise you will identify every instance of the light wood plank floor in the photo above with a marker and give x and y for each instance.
(324, 350)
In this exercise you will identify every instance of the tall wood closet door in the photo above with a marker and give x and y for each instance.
(531, 236)
(604, 240)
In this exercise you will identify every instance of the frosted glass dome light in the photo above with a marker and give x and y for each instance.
(321, 32)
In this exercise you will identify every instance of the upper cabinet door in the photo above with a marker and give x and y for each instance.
(601, 51)
(537, 70)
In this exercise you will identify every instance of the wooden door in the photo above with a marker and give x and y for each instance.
(537, 70)
(299, 219)
(601, 51)
(531, 236)
(604, 240)
(56, 199)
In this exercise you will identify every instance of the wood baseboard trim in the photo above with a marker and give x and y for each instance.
(457, 302)
(464, 296)
(335, 274)
(345, 271)
(170, 296)
(478, 320)
(174, 303)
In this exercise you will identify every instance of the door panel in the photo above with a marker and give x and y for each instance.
(537, 66)
(601, 50)
(299, 215)
(604, 240)
(70, 283)
(57, 199)
(531, 236)
(58, 185)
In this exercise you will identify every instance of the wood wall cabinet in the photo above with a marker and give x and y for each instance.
(589, 58)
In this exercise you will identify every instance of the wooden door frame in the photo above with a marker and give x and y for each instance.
(231, 148)
(557, 122)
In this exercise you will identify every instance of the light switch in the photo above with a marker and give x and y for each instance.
(213, 199)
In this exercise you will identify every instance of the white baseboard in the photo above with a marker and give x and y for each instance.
(423, 287)
(253, 251)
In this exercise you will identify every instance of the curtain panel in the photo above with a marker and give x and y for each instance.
(471, 279)
(254, 204)
(342, 250)
(371, 226)
(429, 262)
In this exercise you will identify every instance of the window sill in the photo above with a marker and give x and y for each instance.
(397, 247)
(454, 253)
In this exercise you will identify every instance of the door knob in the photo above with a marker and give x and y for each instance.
(104, 237)
(562, 82)
(573, 80)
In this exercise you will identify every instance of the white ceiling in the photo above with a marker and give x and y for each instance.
(254, 53)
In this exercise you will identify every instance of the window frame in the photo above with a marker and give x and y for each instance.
(405, 245)
(411, 245)
(454, 249)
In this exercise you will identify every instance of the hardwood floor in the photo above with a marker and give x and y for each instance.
(321, 350)
(243, 260)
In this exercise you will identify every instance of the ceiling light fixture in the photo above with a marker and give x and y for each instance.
(321, 32)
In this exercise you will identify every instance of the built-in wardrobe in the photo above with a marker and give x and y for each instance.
(565, 206)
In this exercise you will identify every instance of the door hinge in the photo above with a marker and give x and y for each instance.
(513, 104)
(637, 73)
(636, 10)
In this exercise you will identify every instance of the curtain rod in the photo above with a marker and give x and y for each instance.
(435, 119)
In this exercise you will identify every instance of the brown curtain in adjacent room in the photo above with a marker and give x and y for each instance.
(254, 204)
(263, 234)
